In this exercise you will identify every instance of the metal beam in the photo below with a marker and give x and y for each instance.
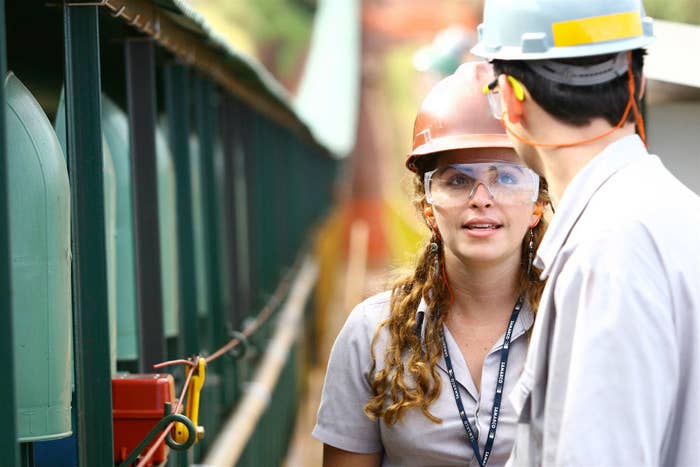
(229, 133)
(90, 304)
(141, 99)
(206, 112)
(8, 410)
(177, 104)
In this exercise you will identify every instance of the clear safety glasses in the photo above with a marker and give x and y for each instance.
(505, 182)
(493, 95)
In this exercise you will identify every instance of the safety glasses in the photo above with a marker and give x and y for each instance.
(506, 182)
(494, 96)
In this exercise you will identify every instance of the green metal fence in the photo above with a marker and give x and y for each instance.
(246, 200)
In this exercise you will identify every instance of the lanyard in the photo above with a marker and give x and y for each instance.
(496, 398)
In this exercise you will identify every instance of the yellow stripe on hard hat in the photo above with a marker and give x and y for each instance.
(597, 29)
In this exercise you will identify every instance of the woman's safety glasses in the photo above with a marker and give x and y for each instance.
(505, 182)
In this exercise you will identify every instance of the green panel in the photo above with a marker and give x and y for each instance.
(110, 194)
(116, 131)
(8, 433)
(167, 215)
(110, 187)
(40, 254)
(115, 128)
(200, 249)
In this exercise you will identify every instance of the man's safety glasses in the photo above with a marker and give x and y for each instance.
(505, 182)
(494, 96)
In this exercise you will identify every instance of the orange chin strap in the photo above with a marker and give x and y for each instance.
(631, 105)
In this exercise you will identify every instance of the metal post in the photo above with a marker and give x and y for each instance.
(229, 134)
(90, 305)
(241, 222)
(177, 103)
(141, 98)
(253, 160)
(206, 128)
(177, 109)
(8, 412)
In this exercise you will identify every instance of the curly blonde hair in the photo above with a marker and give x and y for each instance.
(409, 376)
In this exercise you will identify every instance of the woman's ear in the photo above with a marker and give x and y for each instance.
(536, 215)
(512, 99)
(430, 218)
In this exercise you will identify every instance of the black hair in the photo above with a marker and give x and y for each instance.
(578, 105)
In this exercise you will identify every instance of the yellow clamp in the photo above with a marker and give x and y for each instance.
(192, 411)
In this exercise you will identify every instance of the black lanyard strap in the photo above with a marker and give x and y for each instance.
(495, 411)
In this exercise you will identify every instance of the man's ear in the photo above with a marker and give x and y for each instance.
(512, 104)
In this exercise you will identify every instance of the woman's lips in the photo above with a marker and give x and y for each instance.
(481, 227)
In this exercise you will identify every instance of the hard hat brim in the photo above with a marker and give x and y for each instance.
(449, 143)
(551, 53)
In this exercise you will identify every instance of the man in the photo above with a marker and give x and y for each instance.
(613, 372)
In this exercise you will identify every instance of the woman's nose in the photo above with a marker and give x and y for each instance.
(480, 196)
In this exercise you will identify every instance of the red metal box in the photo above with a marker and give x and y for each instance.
(137, 405)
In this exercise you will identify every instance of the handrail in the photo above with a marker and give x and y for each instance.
(238, 429)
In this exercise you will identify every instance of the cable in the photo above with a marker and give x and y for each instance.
(263, 316)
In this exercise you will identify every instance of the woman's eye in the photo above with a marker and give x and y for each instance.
(458, 180)
(507, 179)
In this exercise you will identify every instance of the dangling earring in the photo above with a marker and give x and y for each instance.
(530, 253)
(434, 250)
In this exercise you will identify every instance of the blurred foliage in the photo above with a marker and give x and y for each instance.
(402, 89)
(274, 31)
(682, 11)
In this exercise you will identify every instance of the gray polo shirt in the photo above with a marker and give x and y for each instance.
(415, 440)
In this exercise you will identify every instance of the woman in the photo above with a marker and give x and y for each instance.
(417, 376)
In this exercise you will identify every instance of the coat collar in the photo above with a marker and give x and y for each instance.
(580, 191)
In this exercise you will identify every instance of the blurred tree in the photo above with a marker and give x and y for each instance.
(682, 11)
(274, 31)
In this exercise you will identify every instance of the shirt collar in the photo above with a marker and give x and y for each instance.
(526, 318)
(580, 191)
(524, 322)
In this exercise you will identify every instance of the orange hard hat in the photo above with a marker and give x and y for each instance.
(455, 115)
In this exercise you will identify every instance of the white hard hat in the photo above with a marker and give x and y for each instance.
(551, 29)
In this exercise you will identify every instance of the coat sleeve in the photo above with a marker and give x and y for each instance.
(614, 363)
(341, 420)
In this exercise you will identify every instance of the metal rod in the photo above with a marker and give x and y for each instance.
(241, 223)
(93, 388)
(206, 112)
(177, 109)
(141, 98)
(177, 86)
(229, 134)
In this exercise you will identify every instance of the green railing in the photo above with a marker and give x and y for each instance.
(249, 178)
